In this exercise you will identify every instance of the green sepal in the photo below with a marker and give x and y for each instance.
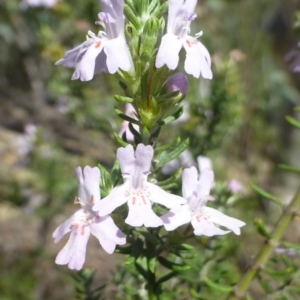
(172, 265)
(289, 168)
(159, 11)
(165, 157)
(120, 141)
(216, 286)
(145, 135)
(293, 121)
(172, 118)
(126, 118)
(261, 229)
(105, 181)
(172, 181)
(267, 195)
(166, 277)
(123, 99)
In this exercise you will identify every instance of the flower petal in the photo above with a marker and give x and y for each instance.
(189, 182)
(168, 52)
(142, 214)
(118, 55)
(88, 179)
(174, 8)
(115, 199)
(65, 227)
(197, 59)
(126, 158)
(74, 251)
(172, 219)
(158, 195)
(205, 182)
(108, 234)
(217, 217)
(144, 156)
(85, 69)
(203, 226)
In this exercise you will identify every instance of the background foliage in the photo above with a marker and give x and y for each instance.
(237, 119)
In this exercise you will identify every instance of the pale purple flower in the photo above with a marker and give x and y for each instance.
(136, 191)
(197, 62)
(36, 3)
(294, 57)
(105, 52)
(86, 221)
(130, 112)
(203, 219)
(235, 186)
(178, 82)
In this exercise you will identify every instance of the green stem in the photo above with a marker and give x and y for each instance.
(265, 252)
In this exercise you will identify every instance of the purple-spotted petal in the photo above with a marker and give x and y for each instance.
(108, 234)
(74, 251)
(65, 227)
(140, 214)
(168, 52)
(85, 69)
(197, 60)
(115, 199)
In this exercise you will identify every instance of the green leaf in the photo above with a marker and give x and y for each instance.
(289, 168)
(116, 173)
(293, 121)
(141, 270)
(172, 181)
(135, 133)
(267, 195)
(152, 265)
(287, 271)
(131, 16)
(126, 118)
(172, 118)
(123, 99)
(124, 250)
(172, 265)
(219, 287)
(166, 277)
(261, 229)
(120, 141)
(291, 245)
(106, 182)
(168, 147)
(165, 157)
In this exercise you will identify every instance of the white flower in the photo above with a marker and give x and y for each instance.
(204, 162)
(86, 221)
(202, 218)
(105, 52)
(197, 62)
(136, 191)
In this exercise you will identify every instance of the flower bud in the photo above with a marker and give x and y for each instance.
(177, 82)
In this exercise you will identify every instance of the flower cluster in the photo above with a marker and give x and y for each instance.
(140, 196)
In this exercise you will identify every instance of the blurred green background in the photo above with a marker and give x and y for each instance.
(50, 124)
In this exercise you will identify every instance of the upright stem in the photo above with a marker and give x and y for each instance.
(265, 252)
